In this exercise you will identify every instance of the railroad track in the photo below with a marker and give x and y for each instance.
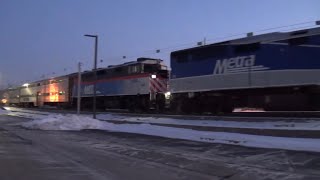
(247, 116)
(280, 114)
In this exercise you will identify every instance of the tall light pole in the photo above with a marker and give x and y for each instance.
(94, 71)
(79, 89)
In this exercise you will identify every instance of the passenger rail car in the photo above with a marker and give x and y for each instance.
(3, 100)
(28, 94)
(139, 84)
(275, 71)
(10, 96)
(54, 91)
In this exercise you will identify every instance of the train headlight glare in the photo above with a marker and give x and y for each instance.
(167, 95)
(4, 101)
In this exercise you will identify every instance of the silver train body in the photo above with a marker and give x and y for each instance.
(119, 86)
(50, 91)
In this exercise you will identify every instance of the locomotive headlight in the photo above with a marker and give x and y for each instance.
(4, 101)
(153, 76)
(167, 95)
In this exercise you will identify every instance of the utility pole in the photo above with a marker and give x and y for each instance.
(94, 72)
(79, 89)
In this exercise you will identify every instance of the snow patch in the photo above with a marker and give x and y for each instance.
(73, 122)
(4, 111)
(61, 122)
(280, 125)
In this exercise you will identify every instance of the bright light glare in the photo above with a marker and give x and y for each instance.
(153, 76)
(25, 84)
(248, 109)
(4, 101)
(167, 95)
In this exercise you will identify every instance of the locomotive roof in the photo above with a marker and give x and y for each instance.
(139, 61)
(50, 79)
(262, 38)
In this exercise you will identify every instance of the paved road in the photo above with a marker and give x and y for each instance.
(82, 155)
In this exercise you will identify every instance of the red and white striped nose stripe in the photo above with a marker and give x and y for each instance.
(158, 85)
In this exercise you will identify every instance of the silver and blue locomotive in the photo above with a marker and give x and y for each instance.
(275, 71)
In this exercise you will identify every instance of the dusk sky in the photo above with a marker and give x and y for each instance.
(45, 37)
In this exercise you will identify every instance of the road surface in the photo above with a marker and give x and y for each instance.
(93, 154)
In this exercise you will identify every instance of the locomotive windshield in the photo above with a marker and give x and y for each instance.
(157, 69)
(199, 54)
(150, 68)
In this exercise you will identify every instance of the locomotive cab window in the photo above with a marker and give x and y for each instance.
(209, 53)
(243, 48)
(150, 68)
(133, 69)
(163, 73)
(298, 41)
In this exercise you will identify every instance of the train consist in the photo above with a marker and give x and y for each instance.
(141, 84)
(274, 71)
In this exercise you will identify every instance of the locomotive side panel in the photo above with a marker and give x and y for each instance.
(115, 87)
(254, 74)
(255, 66)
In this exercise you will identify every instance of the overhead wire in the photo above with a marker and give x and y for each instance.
(212, 40)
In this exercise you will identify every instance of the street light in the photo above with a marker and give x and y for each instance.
(94, 71)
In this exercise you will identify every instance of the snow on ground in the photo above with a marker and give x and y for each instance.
(64, 122)
(272, 124)
(3, 111)
(13, 111)
(306, 125)
(73, 122)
